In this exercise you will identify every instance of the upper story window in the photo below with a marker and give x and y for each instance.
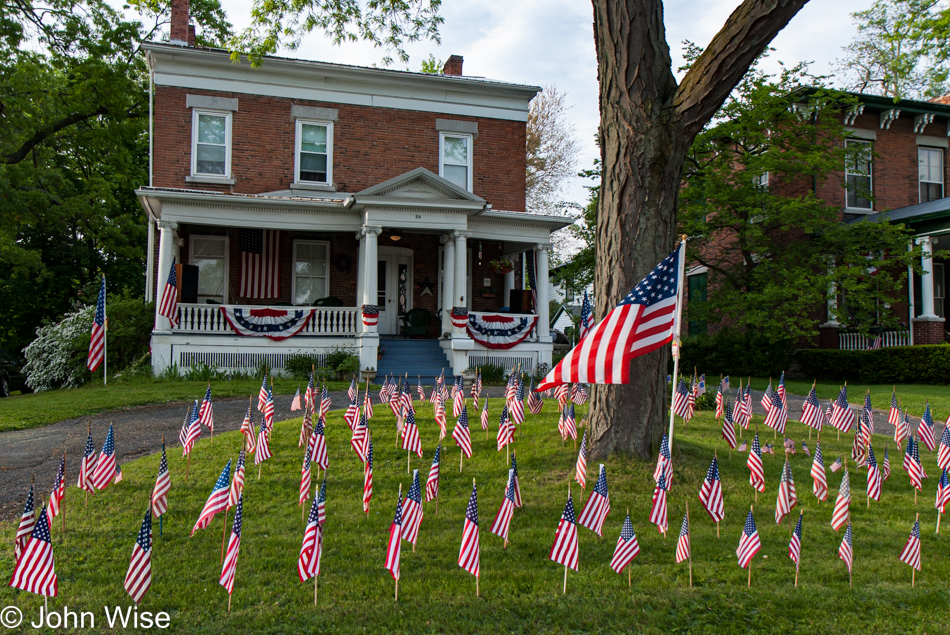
(761, 181)
(930, 173)
(858, 174)
(311, 278)
(455, 159)
(314, 156)
(210, 254)
(211, 143)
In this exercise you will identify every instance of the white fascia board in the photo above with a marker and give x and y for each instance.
(552, 222)
(418, 219)
(508, 231)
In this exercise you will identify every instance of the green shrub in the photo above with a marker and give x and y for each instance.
(899, 365)
(740, 353)
(347, 366)
(493, 375)
(299, 365)
(337, 357)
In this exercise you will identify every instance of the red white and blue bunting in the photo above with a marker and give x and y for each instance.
(500, 331)
(459, 316)
(370, 313)
(277, 324)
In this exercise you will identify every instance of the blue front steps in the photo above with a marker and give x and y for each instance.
(416, 357)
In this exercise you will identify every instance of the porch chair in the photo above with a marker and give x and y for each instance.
(330, 300)
(415, 322)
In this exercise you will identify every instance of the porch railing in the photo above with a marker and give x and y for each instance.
(859, 342)
(208, 319)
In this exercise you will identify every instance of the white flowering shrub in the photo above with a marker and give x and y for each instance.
(56, 359)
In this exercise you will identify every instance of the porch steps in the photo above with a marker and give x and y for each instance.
(416, 357)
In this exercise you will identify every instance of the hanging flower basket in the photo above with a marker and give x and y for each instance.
(501, 265)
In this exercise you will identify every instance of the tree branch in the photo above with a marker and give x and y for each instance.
(40, 135)
(725, 61)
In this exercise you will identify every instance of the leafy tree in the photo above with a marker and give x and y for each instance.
(551, 151)
(432, 66)
(577, 272)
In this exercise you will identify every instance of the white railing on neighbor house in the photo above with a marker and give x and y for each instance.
(208, 319)
(858, 342)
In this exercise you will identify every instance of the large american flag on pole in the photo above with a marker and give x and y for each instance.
(641, 323)
(97, 338)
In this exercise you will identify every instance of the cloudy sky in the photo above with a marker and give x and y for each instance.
(544, 42)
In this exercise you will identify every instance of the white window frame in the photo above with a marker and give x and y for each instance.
(761, 181)
(195, 112)
(471, 151)
(227, 257)
(919, 180)
(870, 175)
(297, 139)
(293, 290)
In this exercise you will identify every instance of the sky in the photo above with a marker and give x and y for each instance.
(544, 42)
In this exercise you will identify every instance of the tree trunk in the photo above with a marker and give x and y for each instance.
(647, 124)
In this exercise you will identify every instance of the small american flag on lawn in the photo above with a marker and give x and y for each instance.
(710, 493)
(874, 476)
(503, 517)
(191, 432)
(658, 511)
(664, 464)
(206, 412)
(368, 482)
(836, 465)
(59, 489)
(911, 553)
(598, 505)
(943, 492)
(412, 510)
(295, 404)
(845, 551)
(683, 401)
(564, 549)
(842, 417)
(627, 547)
(515, 483)
(749, 543)
(461, 434)
(25, 528)
(163, 484)
(682, 543)
(820, 481)
(86, 466)
(394, 547)
(580, 470)
(106, 470)
(237, 483)
(925, 429)
(842, 511)
(229, 567)
(469, 556)
(308, 562)
(795, 543)
(587, 316)
(432, 482)
(35, 570)
(217, 500)
(811, 411)
(139, 577)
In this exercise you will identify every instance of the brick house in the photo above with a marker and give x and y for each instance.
(296, 196)
(903, 179)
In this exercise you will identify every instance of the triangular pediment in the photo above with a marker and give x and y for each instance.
(420, 185)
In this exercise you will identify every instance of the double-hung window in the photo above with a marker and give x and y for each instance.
(211, 144)
(210, 254)
(311, 271)
(314, 155)
(930, 173)
(455, 159)
(858, 175)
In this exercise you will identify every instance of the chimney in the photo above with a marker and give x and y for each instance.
(453, 65)
(179, 22)
(191, 35)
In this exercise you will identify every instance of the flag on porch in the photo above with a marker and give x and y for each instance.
(260, 263)
(169, 304)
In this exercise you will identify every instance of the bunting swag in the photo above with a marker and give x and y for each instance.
(277, 324)
(493, 330)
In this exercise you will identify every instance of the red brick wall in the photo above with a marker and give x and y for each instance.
(370, 145)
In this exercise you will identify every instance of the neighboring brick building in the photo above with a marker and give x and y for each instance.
(904, 179)
(316, 189)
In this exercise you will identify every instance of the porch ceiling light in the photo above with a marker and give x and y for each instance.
(394, 236)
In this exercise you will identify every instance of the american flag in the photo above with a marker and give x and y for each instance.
(322, 502)
(384, 390)
(325, 401)
(237, 483)
(915, 470)
(845, 550)
(485, 415)
(842, 510)
(943, 452)
(580, 470)
(787, 497)
(754, 463)
(864, 429)
(562, 393)
(943, 492)
(658, 511)
(664, 464)
(97, 339)
(587, 316)
(570, 422)
(192, 432)
(163, 484)
(780, 389)
(217, 500)
(805, 449)
(598, 505)
(139, 577)
(747, 405)
(911, 553)
(468, 551)
(25, 528)
(269, 410)
(768, 448)
(353, 391)
(535, 403)
(728, 426)
(440, 414)
(306, 427)
(514, 481)
(229, 567)
(644, 321)
(169, 304)
(59, 489)
(749, 543)
(35, 570)
(627, 547)
(458, 400)
(516, 404)
(710, 493)
(506, 429)
(859, 451)
(742, 447)
(311, 549)
(836, 465)
(812, 415)
(432, 481)
(260, 263)
(295, 403)
(777, 415)
(925, 429)
(503, 518)
(767, 397)
(683, 402)
(410, 435)
(719, 401)
(868, 410)
(105, 470)
(394, 547)
(820, 482)
(305, 478)
(206, 412)
(262, 395)
(874, 476)
(412, 510)
(352, 413)
(564, 549)
(247, 429)
(682, 544)
(461, 434)
(795, 543)
(578, 394)
(842, 417)
(894, 415)
(360, 439)
(422, 391)
(885, 466)
(368, 480)
(310, 393)
(262, 452)
(86, 466)
(701, 387)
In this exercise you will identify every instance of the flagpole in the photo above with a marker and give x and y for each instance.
(681, 274)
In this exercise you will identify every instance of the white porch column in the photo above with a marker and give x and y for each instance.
(360, 267)
(509, 285)
(461, 276)
(369, 340)
(448, 282)
(927, 280)
(544, 311)
(166, 251)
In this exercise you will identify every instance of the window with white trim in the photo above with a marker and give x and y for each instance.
(761, 181)
(857, 174)
(210, 255)
(211, 143)
(314, 152)
(311, 271)
(930, 173)
(455, 159)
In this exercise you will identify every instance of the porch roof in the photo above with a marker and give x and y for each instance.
(925, 219)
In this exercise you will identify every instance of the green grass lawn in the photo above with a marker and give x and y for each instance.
(520, 587)
(20, 412)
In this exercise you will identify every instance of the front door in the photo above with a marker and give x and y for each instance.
(394, 284)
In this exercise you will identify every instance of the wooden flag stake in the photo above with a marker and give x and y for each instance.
(316, 580)
(939, 514)
(691, 546)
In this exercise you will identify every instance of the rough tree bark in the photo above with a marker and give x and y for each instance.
(647, 123)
